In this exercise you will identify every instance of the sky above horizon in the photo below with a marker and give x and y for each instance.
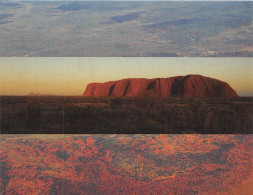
(70, 76)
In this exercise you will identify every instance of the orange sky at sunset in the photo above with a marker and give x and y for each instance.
(69, 76)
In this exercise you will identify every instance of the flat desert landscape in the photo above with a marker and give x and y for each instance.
(125, 29)
(123, 115)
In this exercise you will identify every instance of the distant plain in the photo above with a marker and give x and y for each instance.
(122, 29)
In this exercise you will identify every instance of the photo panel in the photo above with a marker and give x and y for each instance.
(126, 97)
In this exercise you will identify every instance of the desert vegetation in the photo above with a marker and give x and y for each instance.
(143, 114)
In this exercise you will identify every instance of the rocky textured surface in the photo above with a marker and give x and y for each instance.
(126, 164)
(179, 86)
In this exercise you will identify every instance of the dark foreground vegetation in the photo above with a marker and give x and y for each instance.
(147, 114)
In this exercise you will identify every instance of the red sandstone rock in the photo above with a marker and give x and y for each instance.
(180, 86)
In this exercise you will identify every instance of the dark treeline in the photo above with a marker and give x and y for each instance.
(146, 114)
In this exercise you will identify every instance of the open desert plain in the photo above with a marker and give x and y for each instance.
(123, 29)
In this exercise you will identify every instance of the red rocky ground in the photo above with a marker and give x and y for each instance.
(128, 164)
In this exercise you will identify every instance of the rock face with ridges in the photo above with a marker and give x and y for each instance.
(179, 86)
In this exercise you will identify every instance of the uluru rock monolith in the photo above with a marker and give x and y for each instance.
(179, 86)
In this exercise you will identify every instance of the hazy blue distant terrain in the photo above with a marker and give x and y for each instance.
(86, 28)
